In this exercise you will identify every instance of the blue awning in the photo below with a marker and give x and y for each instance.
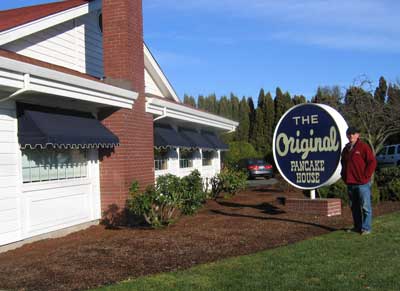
(214, 140)
(166, 136)
(196, 139)
(43, 129)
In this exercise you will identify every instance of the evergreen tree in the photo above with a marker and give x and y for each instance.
(244, 122)
(257, 135)
(394, 95)
(235, 107)
(211, 103)
(381, 91)
(201, 102)
(282, 103)
(264, 125)
(224, 108)
(252, 117)
(298, 99)
(258, 138)
(189, 100)
(269, 116)
(261, 95)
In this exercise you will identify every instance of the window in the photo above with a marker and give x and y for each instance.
(160, 159)
(207, 158)
(391, 150)
(53, 164)
(186, 158)
(382, 152)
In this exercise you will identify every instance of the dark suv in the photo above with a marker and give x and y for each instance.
(256, 167)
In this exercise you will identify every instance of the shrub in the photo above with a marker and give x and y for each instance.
(336, 190)
(386, 180)
(193, 195)
(229, 181)
(161, 204)
(394, 189)
(157, 205)
(375, 193)
(339, 190)
(239, 150)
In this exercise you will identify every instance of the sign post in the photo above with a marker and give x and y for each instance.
(307, 145)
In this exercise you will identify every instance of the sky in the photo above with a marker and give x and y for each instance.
(240, 46)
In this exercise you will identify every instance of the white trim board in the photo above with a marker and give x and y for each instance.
(180, 112)
(23, 76)
(156, 73)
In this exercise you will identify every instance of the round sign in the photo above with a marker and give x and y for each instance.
(307, 145)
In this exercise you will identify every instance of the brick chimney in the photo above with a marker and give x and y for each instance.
(124, 67)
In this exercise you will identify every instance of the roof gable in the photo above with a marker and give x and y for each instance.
(157, 76)
(20, 22)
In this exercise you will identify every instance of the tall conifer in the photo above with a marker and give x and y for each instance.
(282, 103)
(298, 99)
(224, 108)
(252, 118)
(381, 91)
(201, 102)
(269, 116)
(235, 107)
(189, 100)
(244, 122)
(394, 95)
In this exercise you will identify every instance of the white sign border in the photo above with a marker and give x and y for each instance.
(341, 125)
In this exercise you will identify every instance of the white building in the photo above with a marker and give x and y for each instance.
(83, 104)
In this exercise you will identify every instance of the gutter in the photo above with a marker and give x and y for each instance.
(24, 89)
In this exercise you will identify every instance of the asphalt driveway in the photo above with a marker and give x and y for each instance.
(261, 182)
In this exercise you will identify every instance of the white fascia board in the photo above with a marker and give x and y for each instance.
(180, 112)
(43, 80)
(48, 21)
(157, 74)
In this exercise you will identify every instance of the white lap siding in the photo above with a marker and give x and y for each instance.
(207, 172)
(75, 44)
(30, 209)
(10, 222)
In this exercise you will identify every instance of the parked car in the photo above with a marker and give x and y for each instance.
(389, 156)
(256, 167)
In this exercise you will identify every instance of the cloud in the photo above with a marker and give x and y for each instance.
(172, 59)
(340, 24)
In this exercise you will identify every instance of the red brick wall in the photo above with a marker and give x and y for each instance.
(124, 66)
(324, 207)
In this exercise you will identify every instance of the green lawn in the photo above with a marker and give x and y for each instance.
(338, 261)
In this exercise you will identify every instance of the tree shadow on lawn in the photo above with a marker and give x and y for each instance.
(265, 207)
(274, 218)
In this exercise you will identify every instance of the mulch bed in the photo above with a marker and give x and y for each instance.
(252, 221)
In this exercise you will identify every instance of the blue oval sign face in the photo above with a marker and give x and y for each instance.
(307, 145)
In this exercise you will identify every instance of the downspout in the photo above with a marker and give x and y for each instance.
(19, 91)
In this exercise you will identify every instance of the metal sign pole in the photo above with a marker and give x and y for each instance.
(312, 194)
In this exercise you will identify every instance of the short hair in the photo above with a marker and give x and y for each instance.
(352, 130)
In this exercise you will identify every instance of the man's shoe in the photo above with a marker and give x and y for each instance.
(352, 230)
(365, 232)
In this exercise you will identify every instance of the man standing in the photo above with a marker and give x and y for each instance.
(358, 165)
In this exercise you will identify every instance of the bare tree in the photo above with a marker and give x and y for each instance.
(378, 121)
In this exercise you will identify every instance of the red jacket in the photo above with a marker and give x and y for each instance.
(358, 163)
